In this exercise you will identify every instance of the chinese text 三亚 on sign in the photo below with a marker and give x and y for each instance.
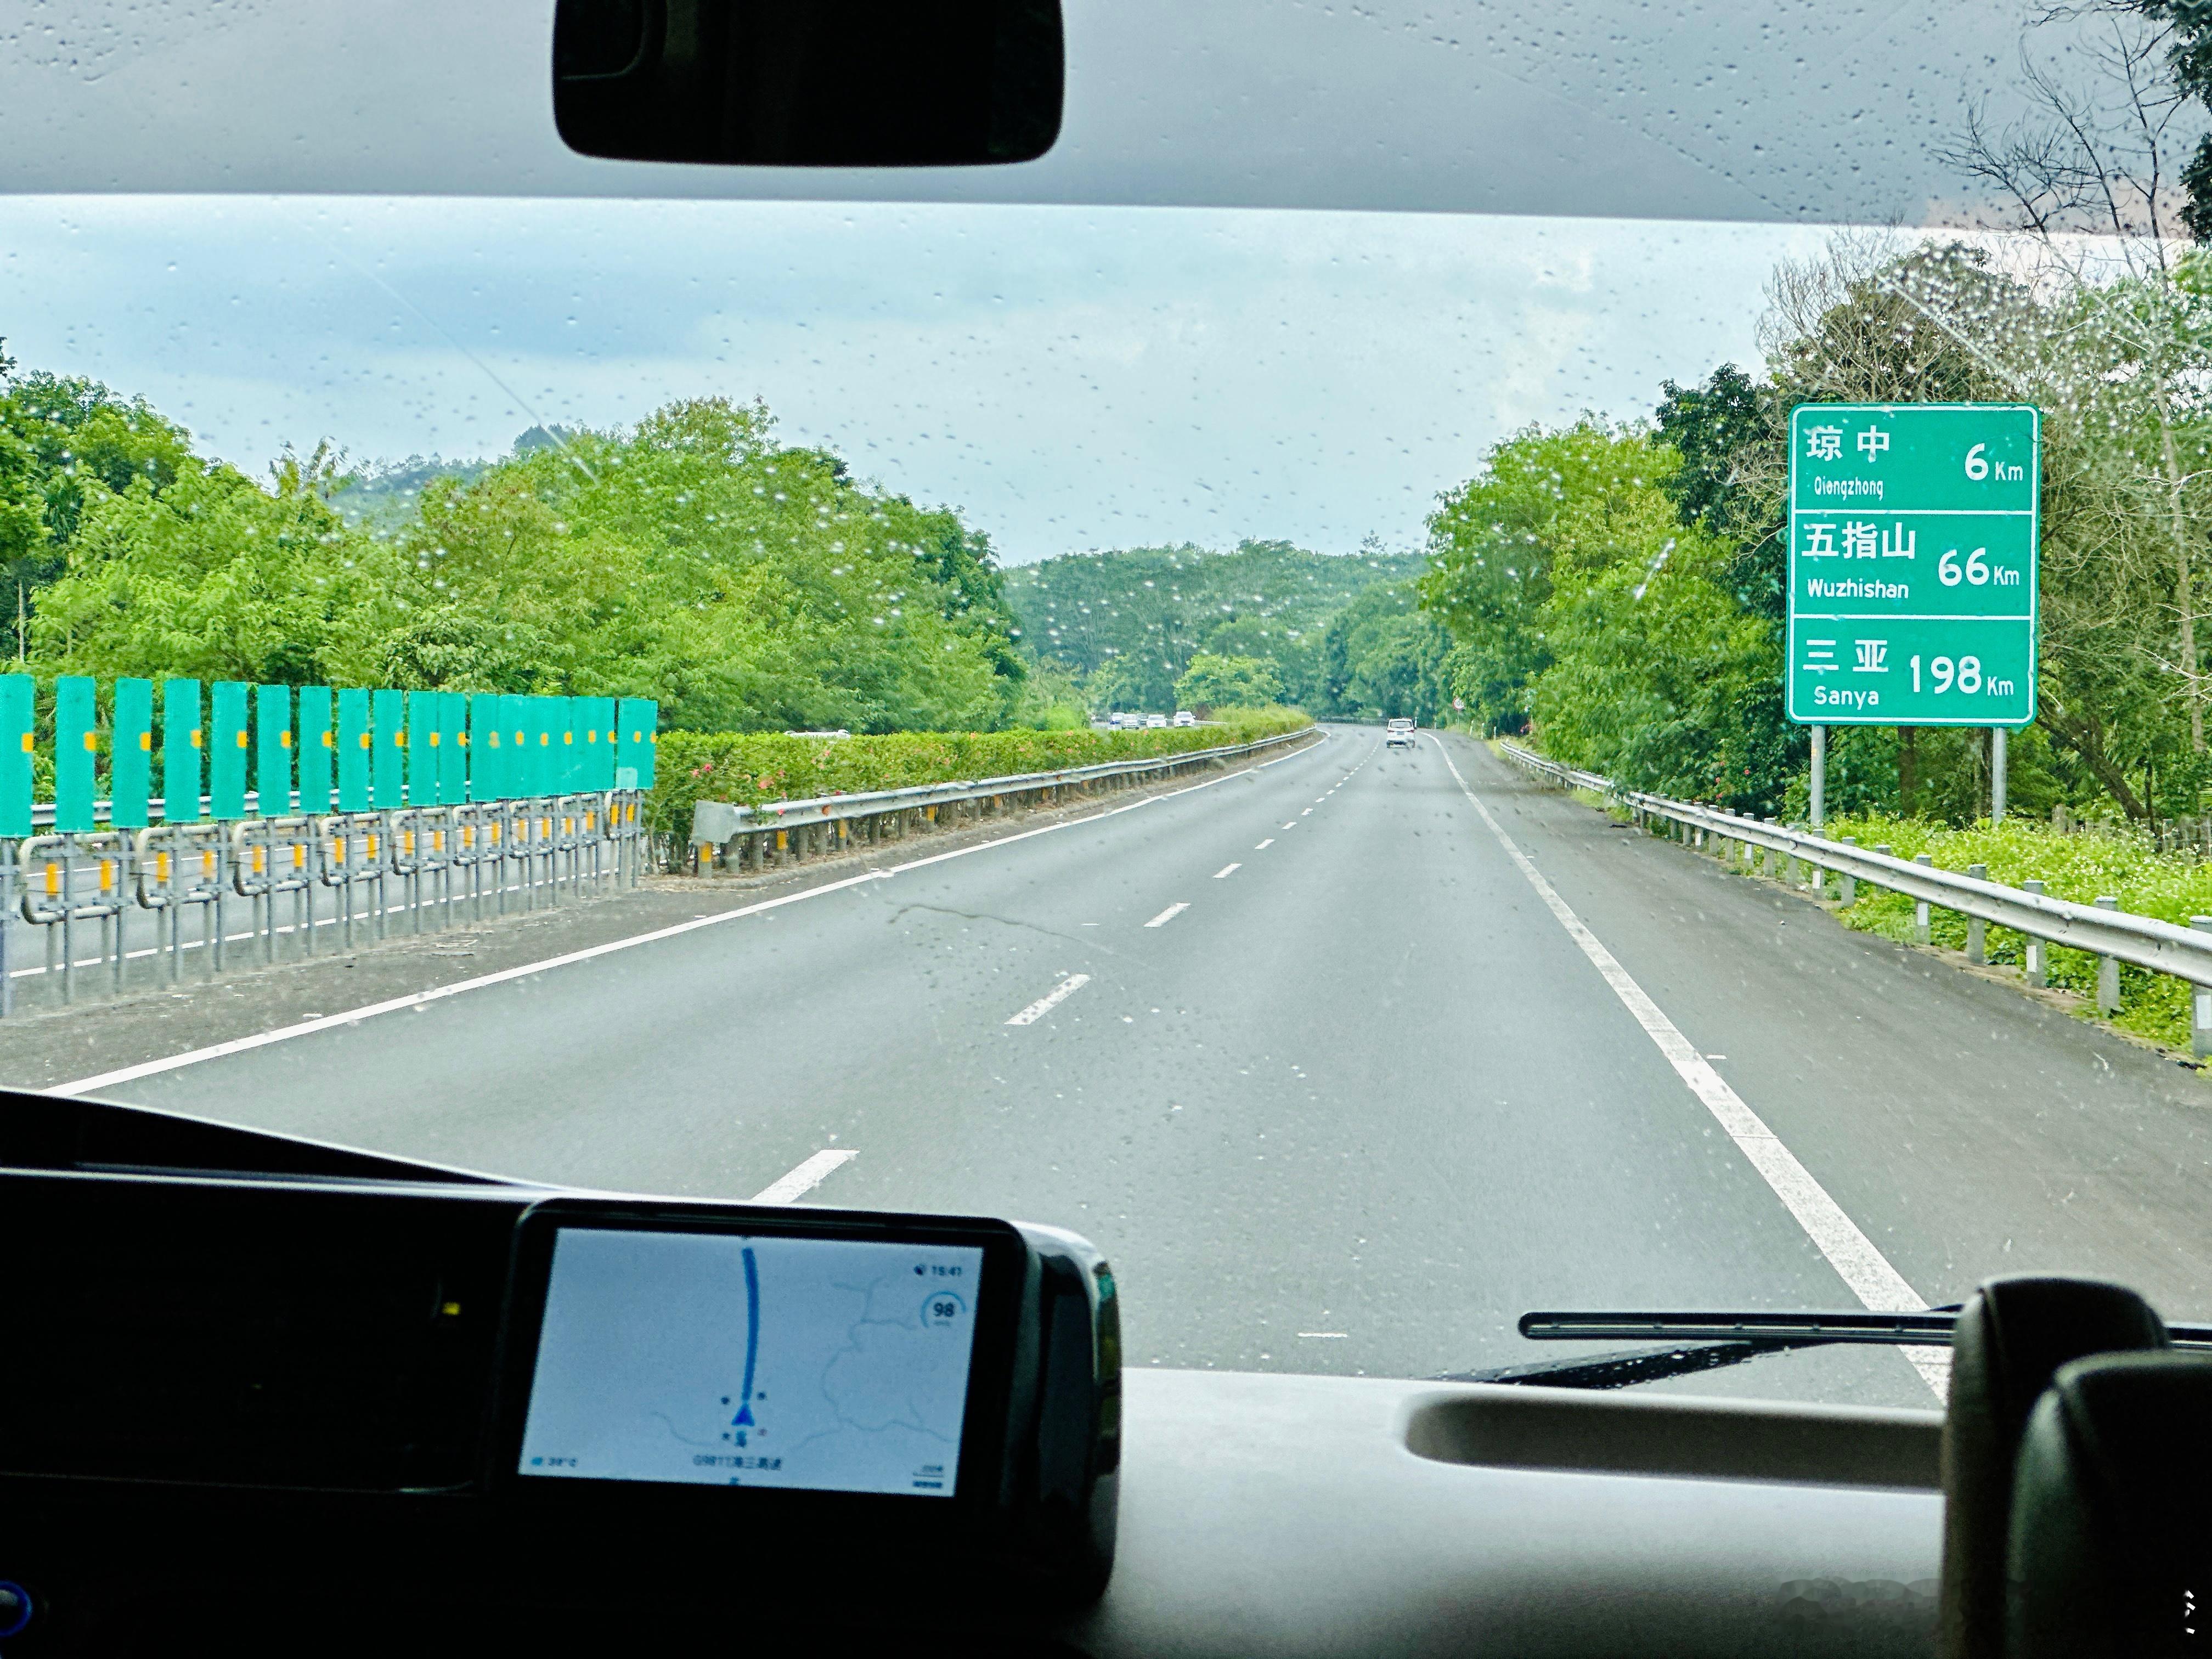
(1912, 541)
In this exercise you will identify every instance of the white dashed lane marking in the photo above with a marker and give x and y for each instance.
(1051, 1000)
(806, 1177)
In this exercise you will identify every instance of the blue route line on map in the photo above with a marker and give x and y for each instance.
(752, 1338)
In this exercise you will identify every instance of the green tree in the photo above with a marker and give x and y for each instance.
(216, 577)
(1212, 682)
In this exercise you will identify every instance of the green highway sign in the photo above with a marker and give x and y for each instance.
(1913, 532)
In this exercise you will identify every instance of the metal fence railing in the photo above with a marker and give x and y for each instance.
(114, 910)
(2103, 930)
(366, 806)
(742, 838)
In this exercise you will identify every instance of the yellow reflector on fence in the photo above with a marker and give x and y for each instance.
(162, 868)
(207, 863)
(54, 879)
(372, 846)
(256, 860)
(407, 843)
(106, 875)
(298, 856)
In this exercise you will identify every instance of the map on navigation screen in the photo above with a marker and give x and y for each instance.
(831, 1364)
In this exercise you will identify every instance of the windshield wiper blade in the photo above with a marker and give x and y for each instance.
(1704, 1342)
(1708, 1341)
(1624, 1367)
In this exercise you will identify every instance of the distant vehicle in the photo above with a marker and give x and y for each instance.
(1184, 717)
(1120, 720)
(1156, 722)
(1398, 734)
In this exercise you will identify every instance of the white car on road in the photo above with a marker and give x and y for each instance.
(1398, 734)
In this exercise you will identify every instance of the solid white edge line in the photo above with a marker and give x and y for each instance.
(1051, 1000)
(806, 1177)
(1855, 1257)
(1225, 869)
(1167, 915)
(439, 994)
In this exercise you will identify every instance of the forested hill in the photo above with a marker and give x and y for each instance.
(1134, 618)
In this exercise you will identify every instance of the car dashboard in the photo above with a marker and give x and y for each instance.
(255, 1384)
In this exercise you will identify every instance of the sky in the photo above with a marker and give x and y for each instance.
(1069, 378)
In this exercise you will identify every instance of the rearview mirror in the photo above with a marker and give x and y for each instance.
(845, 83)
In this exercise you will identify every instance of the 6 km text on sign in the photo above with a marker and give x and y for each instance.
(1914, 530)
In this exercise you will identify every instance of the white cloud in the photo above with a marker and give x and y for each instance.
(1072, 377)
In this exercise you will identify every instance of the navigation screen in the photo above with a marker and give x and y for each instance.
(827, 1363)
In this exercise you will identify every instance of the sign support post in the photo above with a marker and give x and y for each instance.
(1996, 774)
(1820, 776)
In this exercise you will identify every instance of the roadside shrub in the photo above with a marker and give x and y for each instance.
(749, 767)
(2172, 887)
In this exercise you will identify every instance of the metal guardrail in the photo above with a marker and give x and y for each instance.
(2103, 930)
(302, 879)
(751, 838)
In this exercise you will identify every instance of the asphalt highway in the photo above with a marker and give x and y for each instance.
(1328, 1057)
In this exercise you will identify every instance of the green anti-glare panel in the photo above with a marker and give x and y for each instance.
(558, 745)
(484, 746)
(511, 754)
(1913, 532)
(636, 718)
(130, 755)
(545, 755)
(387, 782)
(422, 737)
(452, 748)
(77, 752)
(19, 728)
(272, 751)
(522, 732)
(596, 715)
(182, 743)
(227, 738)
(522, 764)
(500, 774)
(316, 739)
(568, 743)
(353, 750)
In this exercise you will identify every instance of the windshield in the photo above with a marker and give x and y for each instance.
(467, 652)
